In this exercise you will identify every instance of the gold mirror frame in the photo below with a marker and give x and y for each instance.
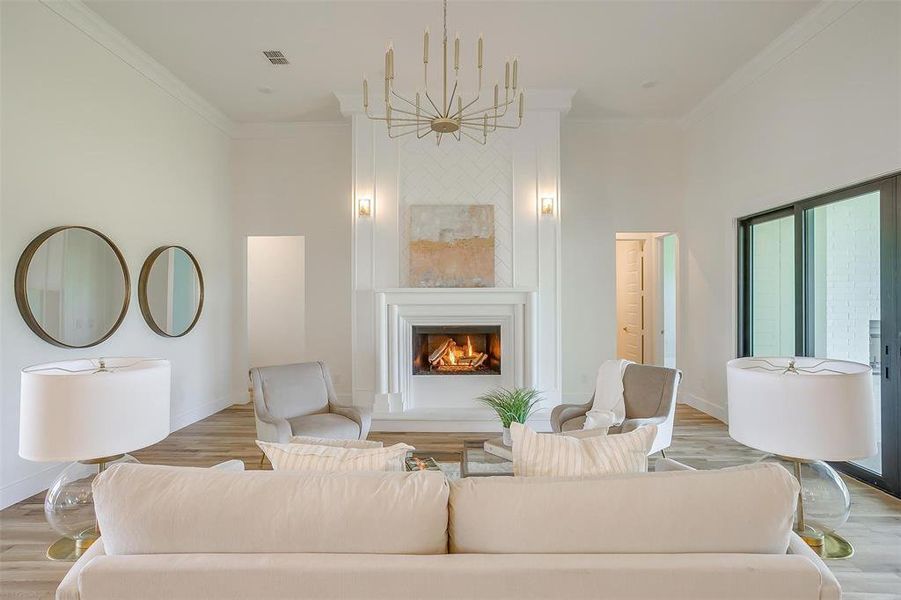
(142, 291)
(21, 288)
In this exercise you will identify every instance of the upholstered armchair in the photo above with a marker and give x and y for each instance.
(650, 397)
(299, 399)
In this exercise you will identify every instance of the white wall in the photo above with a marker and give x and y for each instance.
(616, 176)
(89, 140)
(295, 180)
(825, 116)
(275, 300)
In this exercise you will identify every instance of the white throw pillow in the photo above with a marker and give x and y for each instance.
(328, 459)
(315, 441)
(550, 455)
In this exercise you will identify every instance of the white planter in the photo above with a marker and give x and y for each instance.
(508, 440)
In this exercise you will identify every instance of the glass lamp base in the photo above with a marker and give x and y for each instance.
(69, 507)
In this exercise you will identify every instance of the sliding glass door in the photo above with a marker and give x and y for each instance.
(820, 278)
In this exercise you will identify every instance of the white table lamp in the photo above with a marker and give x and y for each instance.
(91, 411)
(804, 411)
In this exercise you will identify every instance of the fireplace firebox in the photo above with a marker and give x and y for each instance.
(457, 350)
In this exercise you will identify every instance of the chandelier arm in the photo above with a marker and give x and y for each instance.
(407, 112)
(413, 104)
(474, 138)
(432, 102)
(400, 135)
(517, 126)
(490, 108)
(476, 99)
(450, 102)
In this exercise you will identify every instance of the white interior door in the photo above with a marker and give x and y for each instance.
(630, 300)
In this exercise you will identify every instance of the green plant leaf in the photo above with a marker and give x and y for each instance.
(512, 406)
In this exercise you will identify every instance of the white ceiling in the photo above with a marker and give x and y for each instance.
(605, 50)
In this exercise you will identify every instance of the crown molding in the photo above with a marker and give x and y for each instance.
(559, 100)
(817, 20)
(95, 27)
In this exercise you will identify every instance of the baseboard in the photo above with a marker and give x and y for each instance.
(705, 406)
(197, 413)
(29, 485)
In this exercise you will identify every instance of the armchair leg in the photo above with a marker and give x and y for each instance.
(263, 460)
(662, 453)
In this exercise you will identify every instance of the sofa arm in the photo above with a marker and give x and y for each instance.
(829, 587)
(360, 415)
(68, 587)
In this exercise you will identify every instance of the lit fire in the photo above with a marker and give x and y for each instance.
(450, 357)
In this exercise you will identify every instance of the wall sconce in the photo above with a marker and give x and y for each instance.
(547, 207)
(364, 207)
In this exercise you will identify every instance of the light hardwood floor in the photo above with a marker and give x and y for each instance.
(873, 573)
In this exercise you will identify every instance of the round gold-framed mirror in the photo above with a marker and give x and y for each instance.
(72, 286)
(170, 291)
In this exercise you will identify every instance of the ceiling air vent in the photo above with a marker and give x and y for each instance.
(276, 57)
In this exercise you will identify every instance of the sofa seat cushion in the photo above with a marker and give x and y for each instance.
(325, 425)
(152, 509)
(497, 577)
(746, 509)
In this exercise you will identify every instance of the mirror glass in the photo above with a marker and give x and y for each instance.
(171, 291)
(72, 287)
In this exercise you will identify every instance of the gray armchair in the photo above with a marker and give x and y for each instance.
(649, 394)
(299, 399)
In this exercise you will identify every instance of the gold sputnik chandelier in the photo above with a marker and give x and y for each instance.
(423, 115)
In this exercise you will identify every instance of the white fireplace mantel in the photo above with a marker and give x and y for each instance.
(398, 310)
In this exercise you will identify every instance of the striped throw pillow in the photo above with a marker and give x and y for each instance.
(328, 459)
(550, 455)
(316, 441)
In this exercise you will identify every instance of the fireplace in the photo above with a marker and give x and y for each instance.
(457, 350)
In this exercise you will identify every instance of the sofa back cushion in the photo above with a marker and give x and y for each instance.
(151, 509)
(738, 510)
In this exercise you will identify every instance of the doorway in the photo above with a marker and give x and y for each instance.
(276, 327)
(646, 297)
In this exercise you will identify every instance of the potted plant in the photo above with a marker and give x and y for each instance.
(511, 406)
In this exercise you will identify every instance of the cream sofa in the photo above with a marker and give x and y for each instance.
(193, 533)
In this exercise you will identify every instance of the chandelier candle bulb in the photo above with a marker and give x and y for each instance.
(507, 75)
(515, 69)
(391, 62)
(365, 94)
(457, 53)
(480, 51)
(520, 106)
(425, 47)
(496, 88)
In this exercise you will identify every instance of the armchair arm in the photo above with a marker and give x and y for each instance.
(269, 427)
(360, 415)
(564, 412)
(633, 424)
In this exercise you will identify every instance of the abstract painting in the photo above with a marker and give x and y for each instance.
(452, 246)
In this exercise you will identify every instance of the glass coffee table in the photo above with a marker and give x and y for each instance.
(476, 462)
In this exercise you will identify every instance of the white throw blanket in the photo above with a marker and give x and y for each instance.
(609, 407)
